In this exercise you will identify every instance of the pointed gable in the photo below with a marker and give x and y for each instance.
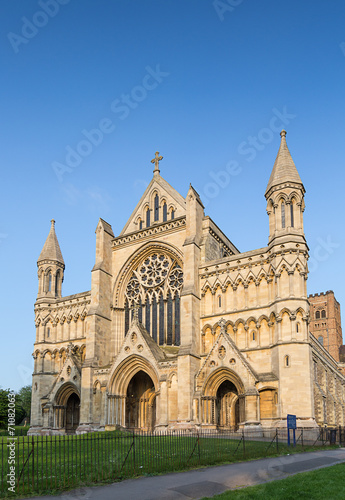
(166, 193)
(51, 249)
(284, 169)
(218, 357)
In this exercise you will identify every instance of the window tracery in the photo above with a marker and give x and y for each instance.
(155, 286)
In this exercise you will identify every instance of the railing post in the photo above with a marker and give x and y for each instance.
(302, 437)
(33, 464)
(134, 449)
(244, 443)
(277, 441)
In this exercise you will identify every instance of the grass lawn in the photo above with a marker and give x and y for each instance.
(321, 484)
(56, 463)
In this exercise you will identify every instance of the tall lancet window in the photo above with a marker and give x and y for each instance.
(156, 207)
(156, 285)
(57, 278)
(49, 282)
(165, 212)
(148, 218)
(291, 214)
(283, 214)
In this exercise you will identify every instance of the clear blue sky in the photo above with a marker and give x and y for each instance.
(220, 77)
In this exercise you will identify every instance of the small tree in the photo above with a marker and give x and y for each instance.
(19, 410)
(24, 400)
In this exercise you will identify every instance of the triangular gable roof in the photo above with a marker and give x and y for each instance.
(165, 189)
(64, 376)
(141, 343)
(236, 353)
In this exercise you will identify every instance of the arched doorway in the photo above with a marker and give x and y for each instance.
(67, 408)
(223, 400)
(227, 405)
(141, 402)
(72, 413)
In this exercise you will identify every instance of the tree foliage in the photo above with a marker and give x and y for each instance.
(22, 405)
(24, 398)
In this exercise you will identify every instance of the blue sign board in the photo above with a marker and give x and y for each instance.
(291, 424)
(291, 421)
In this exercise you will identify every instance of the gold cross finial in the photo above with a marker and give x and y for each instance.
(156, 161)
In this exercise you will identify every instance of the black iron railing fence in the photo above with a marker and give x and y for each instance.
(35, 464)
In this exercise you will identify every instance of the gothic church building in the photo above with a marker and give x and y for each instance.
(180, 330)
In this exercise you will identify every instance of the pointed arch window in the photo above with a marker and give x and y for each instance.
(317, 315)
(49, 282)
(156, 203)
(291, 214)
(157, 282)
(140, 223)
(323, 313)
(165, 212)
(283, 214)
(148, 222)
(57, 279)
(172, 214)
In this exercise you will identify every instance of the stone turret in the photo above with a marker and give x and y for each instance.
(51, 267)
(285, 198)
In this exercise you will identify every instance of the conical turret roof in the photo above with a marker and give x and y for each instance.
(284, 169)
(51, 249)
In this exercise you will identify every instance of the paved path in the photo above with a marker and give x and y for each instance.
(209, 481)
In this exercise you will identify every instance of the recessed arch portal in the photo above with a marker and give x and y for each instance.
(132, 390)
(67, 408)
(223, 399)
(141, 402)
(227, 405)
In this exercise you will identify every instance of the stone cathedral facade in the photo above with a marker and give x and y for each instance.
(180, 330)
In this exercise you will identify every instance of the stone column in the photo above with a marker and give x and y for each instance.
(291, 283)
(162, 402)
(252, 406)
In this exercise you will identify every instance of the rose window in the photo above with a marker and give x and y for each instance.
(155, 287)
(154, 270)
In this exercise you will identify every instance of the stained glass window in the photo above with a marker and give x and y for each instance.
(155, 285)
(170, 320)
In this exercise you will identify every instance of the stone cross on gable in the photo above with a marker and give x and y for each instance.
(222, 324)
(156, 161)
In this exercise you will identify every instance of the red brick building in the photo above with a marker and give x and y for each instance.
(325, 323)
